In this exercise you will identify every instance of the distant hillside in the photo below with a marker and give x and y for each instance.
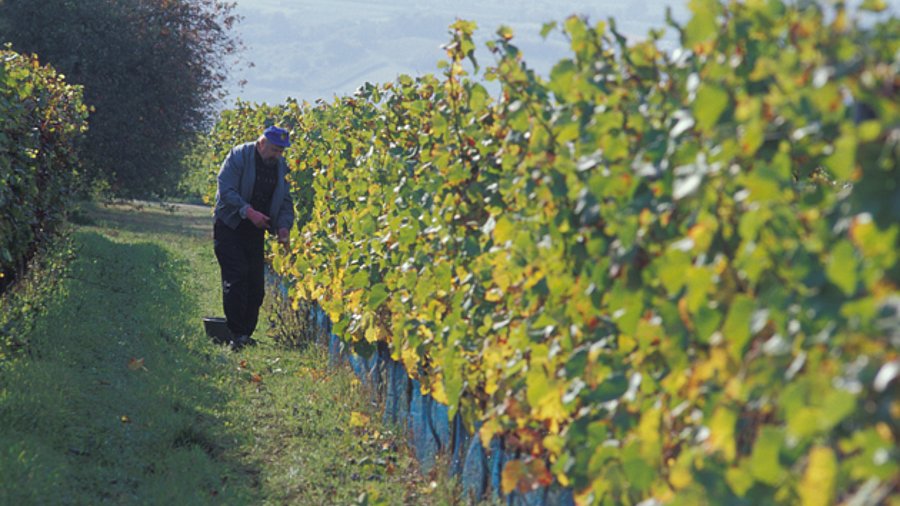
(309, 51)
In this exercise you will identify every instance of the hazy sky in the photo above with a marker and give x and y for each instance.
(310, 49)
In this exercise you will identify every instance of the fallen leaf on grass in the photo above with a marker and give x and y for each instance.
(136, 364)
(256, 378)
(358, 419)
(312, 373)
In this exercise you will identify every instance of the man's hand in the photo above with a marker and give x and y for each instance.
(284, 236)
(258, 219)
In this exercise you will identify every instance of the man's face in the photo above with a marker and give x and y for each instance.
(269, 152)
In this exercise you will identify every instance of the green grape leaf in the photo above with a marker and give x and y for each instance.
(707, 321)
(721, 429)
(610, 389)
(547, 28)
(359, 279)
(504, 230)
(764, 462)
(873, 5)
(703, 24)
(841, 268)
(737, 325)
(639, 472)
(842, 161)
(671, 268)
(709, 105)
(377, 295)
(478, 97)
(740, 479)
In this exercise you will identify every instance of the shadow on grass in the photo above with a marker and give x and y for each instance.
(177, 219)
(120, 397)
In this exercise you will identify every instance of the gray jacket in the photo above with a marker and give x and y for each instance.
(235, 188)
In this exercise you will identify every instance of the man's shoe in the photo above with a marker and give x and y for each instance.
(241, 341)
(237, 342)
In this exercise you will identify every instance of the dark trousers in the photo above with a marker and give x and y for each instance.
(240, 256)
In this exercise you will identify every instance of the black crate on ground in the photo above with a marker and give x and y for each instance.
(217, 329)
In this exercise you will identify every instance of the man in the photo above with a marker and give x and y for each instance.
(253, 197)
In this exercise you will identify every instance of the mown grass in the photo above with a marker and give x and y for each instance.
(118, 397)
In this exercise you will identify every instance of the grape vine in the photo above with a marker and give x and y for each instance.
(666, 275)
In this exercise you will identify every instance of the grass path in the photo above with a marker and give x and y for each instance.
(120, 398)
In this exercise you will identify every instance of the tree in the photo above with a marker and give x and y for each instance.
(152, 70)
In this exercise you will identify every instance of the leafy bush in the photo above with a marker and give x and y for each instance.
(152, 74)
(43, 119)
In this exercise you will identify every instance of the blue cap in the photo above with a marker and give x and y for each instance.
(278, 136)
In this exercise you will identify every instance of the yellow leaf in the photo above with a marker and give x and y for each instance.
(739, 479)
(492, 358)
(353, 300)
(334, 315)
(491, 365)
(494, 295)
(512, 473)
(425, 332)
(501, 275)
(648, 434)
(410, 359)
(818, 483)
(438, 392)
(435, 306)
(663, 494)
(277, 263)
(548, 404)
(721, 429)
(491, 384)
(534, 276)
(717, 363)
(680, 474)
(702, 234)
(488, 429)
(554, 444)
(358, 419)
(504, 230)
(586, 495)
(372, 334)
